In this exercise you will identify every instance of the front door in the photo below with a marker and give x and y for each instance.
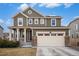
(28, 35)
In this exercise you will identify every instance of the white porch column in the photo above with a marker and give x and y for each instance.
(25, 35)
(10, 35)
(32, 32)
(17, 34)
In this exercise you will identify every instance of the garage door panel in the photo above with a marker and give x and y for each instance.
(50, 40)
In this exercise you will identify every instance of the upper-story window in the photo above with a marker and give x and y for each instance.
(36, 21)
(29, 12)
(30, 21)
(20, 21)
(42, 21)
(77, 26)
(53, 22)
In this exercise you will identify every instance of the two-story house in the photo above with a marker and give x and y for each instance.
(34, 29)
(74, 32)
(1, 32)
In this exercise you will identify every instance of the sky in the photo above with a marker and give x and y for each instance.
(68, 11)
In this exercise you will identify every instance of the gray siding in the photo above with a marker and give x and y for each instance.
(16, 21)
(73, 30)
(1, 33)
(47, 21)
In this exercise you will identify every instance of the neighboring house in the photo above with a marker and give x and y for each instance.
(6, 35)
(1, 32)
(33, 29)
(74, 32)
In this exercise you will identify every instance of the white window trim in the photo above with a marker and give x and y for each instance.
(19, 20)
(42, 21)
(31, 21)
(36, 19)
(27, 22)
(76, 26)
(51, 21)
(29, 11)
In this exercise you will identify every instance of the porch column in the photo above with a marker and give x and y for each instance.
(25, 35)
(32, 32)
(14, 33)
(17, 34)
(10, 34)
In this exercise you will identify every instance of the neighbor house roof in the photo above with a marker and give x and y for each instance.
(74, 20)
(1, 27)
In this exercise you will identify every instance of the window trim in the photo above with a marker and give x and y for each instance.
(20, 19)
(51, 21)
(36, 19)
(42, 22)
(31, 21)
(76, 26)
(29, 11)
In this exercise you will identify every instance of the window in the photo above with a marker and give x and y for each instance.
(53, 34)
(77, 26)
(47, 34)
(61, 34)
(30, 21)
(41, 21)
(36, 21)
(40, 34)
(53, 22)
(29, 12)
(20, 21)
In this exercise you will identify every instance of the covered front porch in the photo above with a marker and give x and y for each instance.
(23, 35)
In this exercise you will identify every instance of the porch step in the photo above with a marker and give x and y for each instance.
(27, 44)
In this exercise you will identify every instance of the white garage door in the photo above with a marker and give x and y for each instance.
(50, 39)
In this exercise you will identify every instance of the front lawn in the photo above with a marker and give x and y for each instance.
(17, 51)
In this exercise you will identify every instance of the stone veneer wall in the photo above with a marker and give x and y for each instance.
(74, 42)
(67, 40)
(34, 41)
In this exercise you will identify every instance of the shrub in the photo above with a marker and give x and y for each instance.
(8, 44)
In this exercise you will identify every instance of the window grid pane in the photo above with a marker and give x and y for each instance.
(30, 21)
(53, 22)
(36, 21)
(20, 21)
(41, 21)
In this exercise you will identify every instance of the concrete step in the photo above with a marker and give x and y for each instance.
(27, 44)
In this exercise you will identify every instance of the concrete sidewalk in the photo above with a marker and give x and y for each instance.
(56, 51)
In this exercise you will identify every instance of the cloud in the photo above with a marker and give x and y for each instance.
(53, 5)
(67, 5)
(9, 22)
(50, 5)
(32, 4)
(75, 17)
(23, 6)
(1, 21)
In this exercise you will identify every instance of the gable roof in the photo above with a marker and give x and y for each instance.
(21, 14)
(33, 10)
(1, 27)
(73, 21)
(36, 12)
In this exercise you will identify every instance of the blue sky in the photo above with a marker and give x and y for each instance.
(67, 11)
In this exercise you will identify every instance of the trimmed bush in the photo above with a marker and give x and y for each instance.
(8, 44)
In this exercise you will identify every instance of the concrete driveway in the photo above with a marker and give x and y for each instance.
(56, 51)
